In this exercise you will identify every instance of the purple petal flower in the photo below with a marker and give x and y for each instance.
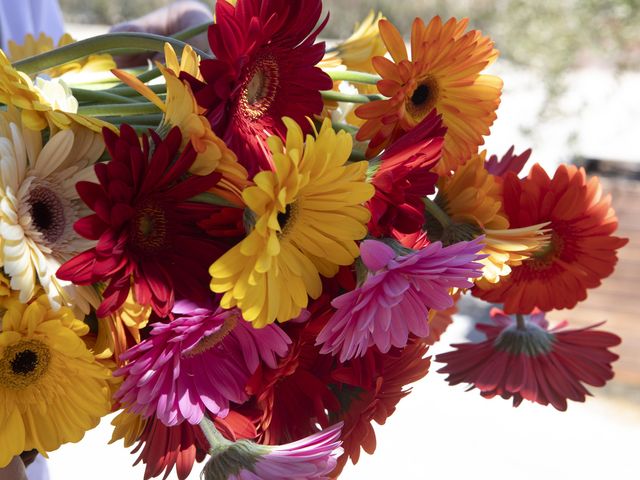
(396, 297)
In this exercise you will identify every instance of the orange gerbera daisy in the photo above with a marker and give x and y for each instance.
(582, 249)
(443, 73)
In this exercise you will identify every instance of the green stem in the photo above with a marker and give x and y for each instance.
(211, 199)
(214, 437)
(355, 77)
(357, 156)
(520, 322)
(84, 95)
(436, 212)
(152, 119)
(102, 43)
(118, 109)
(126, 91)
(188, 33)
(344, 126)
(349, 97)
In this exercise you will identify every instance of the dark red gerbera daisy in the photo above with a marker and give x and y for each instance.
(264, 70)
(146, 228)
(403, 179)
(524, 359)
(294, 397)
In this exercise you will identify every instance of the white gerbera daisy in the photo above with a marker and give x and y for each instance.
(39, 205)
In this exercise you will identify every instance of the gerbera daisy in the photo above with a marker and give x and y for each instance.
(264, 70)
(370, 389)
(308, 215)
(43, 406)
(524, 359)
(146, 227)
(582, 249)
(364, 43)
(471, 200)
(395, 299)
(312, 457)
(38, 206)
(443, 73)
(403, 179)
(294, 397)
(160, 371)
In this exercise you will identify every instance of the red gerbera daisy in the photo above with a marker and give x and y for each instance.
(404, 178)
(582, 249)
(145, 225)
(523, 359)
(371, 388)
(295, 396)
(264, 70)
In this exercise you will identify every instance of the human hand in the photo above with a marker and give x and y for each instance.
(166, 21)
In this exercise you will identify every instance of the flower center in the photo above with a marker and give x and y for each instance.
(261, 86)
(150, 228)
(423, 98)
(47, 213)
(546, 256)
(215, 338)
(287, 219)
(23, 364)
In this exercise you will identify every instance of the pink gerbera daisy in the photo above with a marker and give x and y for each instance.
(396, 297)
(524, 359)
(198, 362)
(311, 458)
(264, 70)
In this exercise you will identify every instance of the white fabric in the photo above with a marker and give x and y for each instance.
(20, 17)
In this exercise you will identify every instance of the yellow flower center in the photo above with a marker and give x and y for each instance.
(423, 98)
(212, 340)
(150, 228)
(23, 364)
(47, 213)
(260, 88)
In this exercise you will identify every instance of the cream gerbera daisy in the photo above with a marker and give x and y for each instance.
(39, 205)
(309, 215)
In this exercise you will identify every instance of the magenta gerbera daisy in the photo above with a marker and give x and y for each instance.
(146, 227)
(196, 363)
(395, 299)
(264, 70)
(523, 359)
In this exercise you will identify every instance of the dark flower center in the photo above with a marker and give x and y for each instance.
(150, 228)
(531, 340)
(260, 88)
(47, 213)
(287, 218)
(423, 98)
(215, 338)
(546, 256)
(23, 363)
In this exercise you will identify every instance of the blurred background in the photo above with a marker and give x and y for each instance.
(571, 70)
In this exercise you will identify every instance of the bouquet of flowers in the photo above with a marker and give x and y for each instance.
(248, 254)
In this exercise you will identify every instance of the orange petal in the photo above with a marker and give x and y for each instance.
(393, 40)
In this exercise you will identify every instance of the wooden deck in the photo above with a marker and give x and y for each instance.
(617, 300)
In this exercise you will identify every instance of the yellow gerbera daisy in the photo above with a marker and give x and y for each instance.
(39, 205)
(308, 216)
(472, 200)
(34, 46)
(181, 110)
(443, 73)
(17, 89)
(52, 389)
